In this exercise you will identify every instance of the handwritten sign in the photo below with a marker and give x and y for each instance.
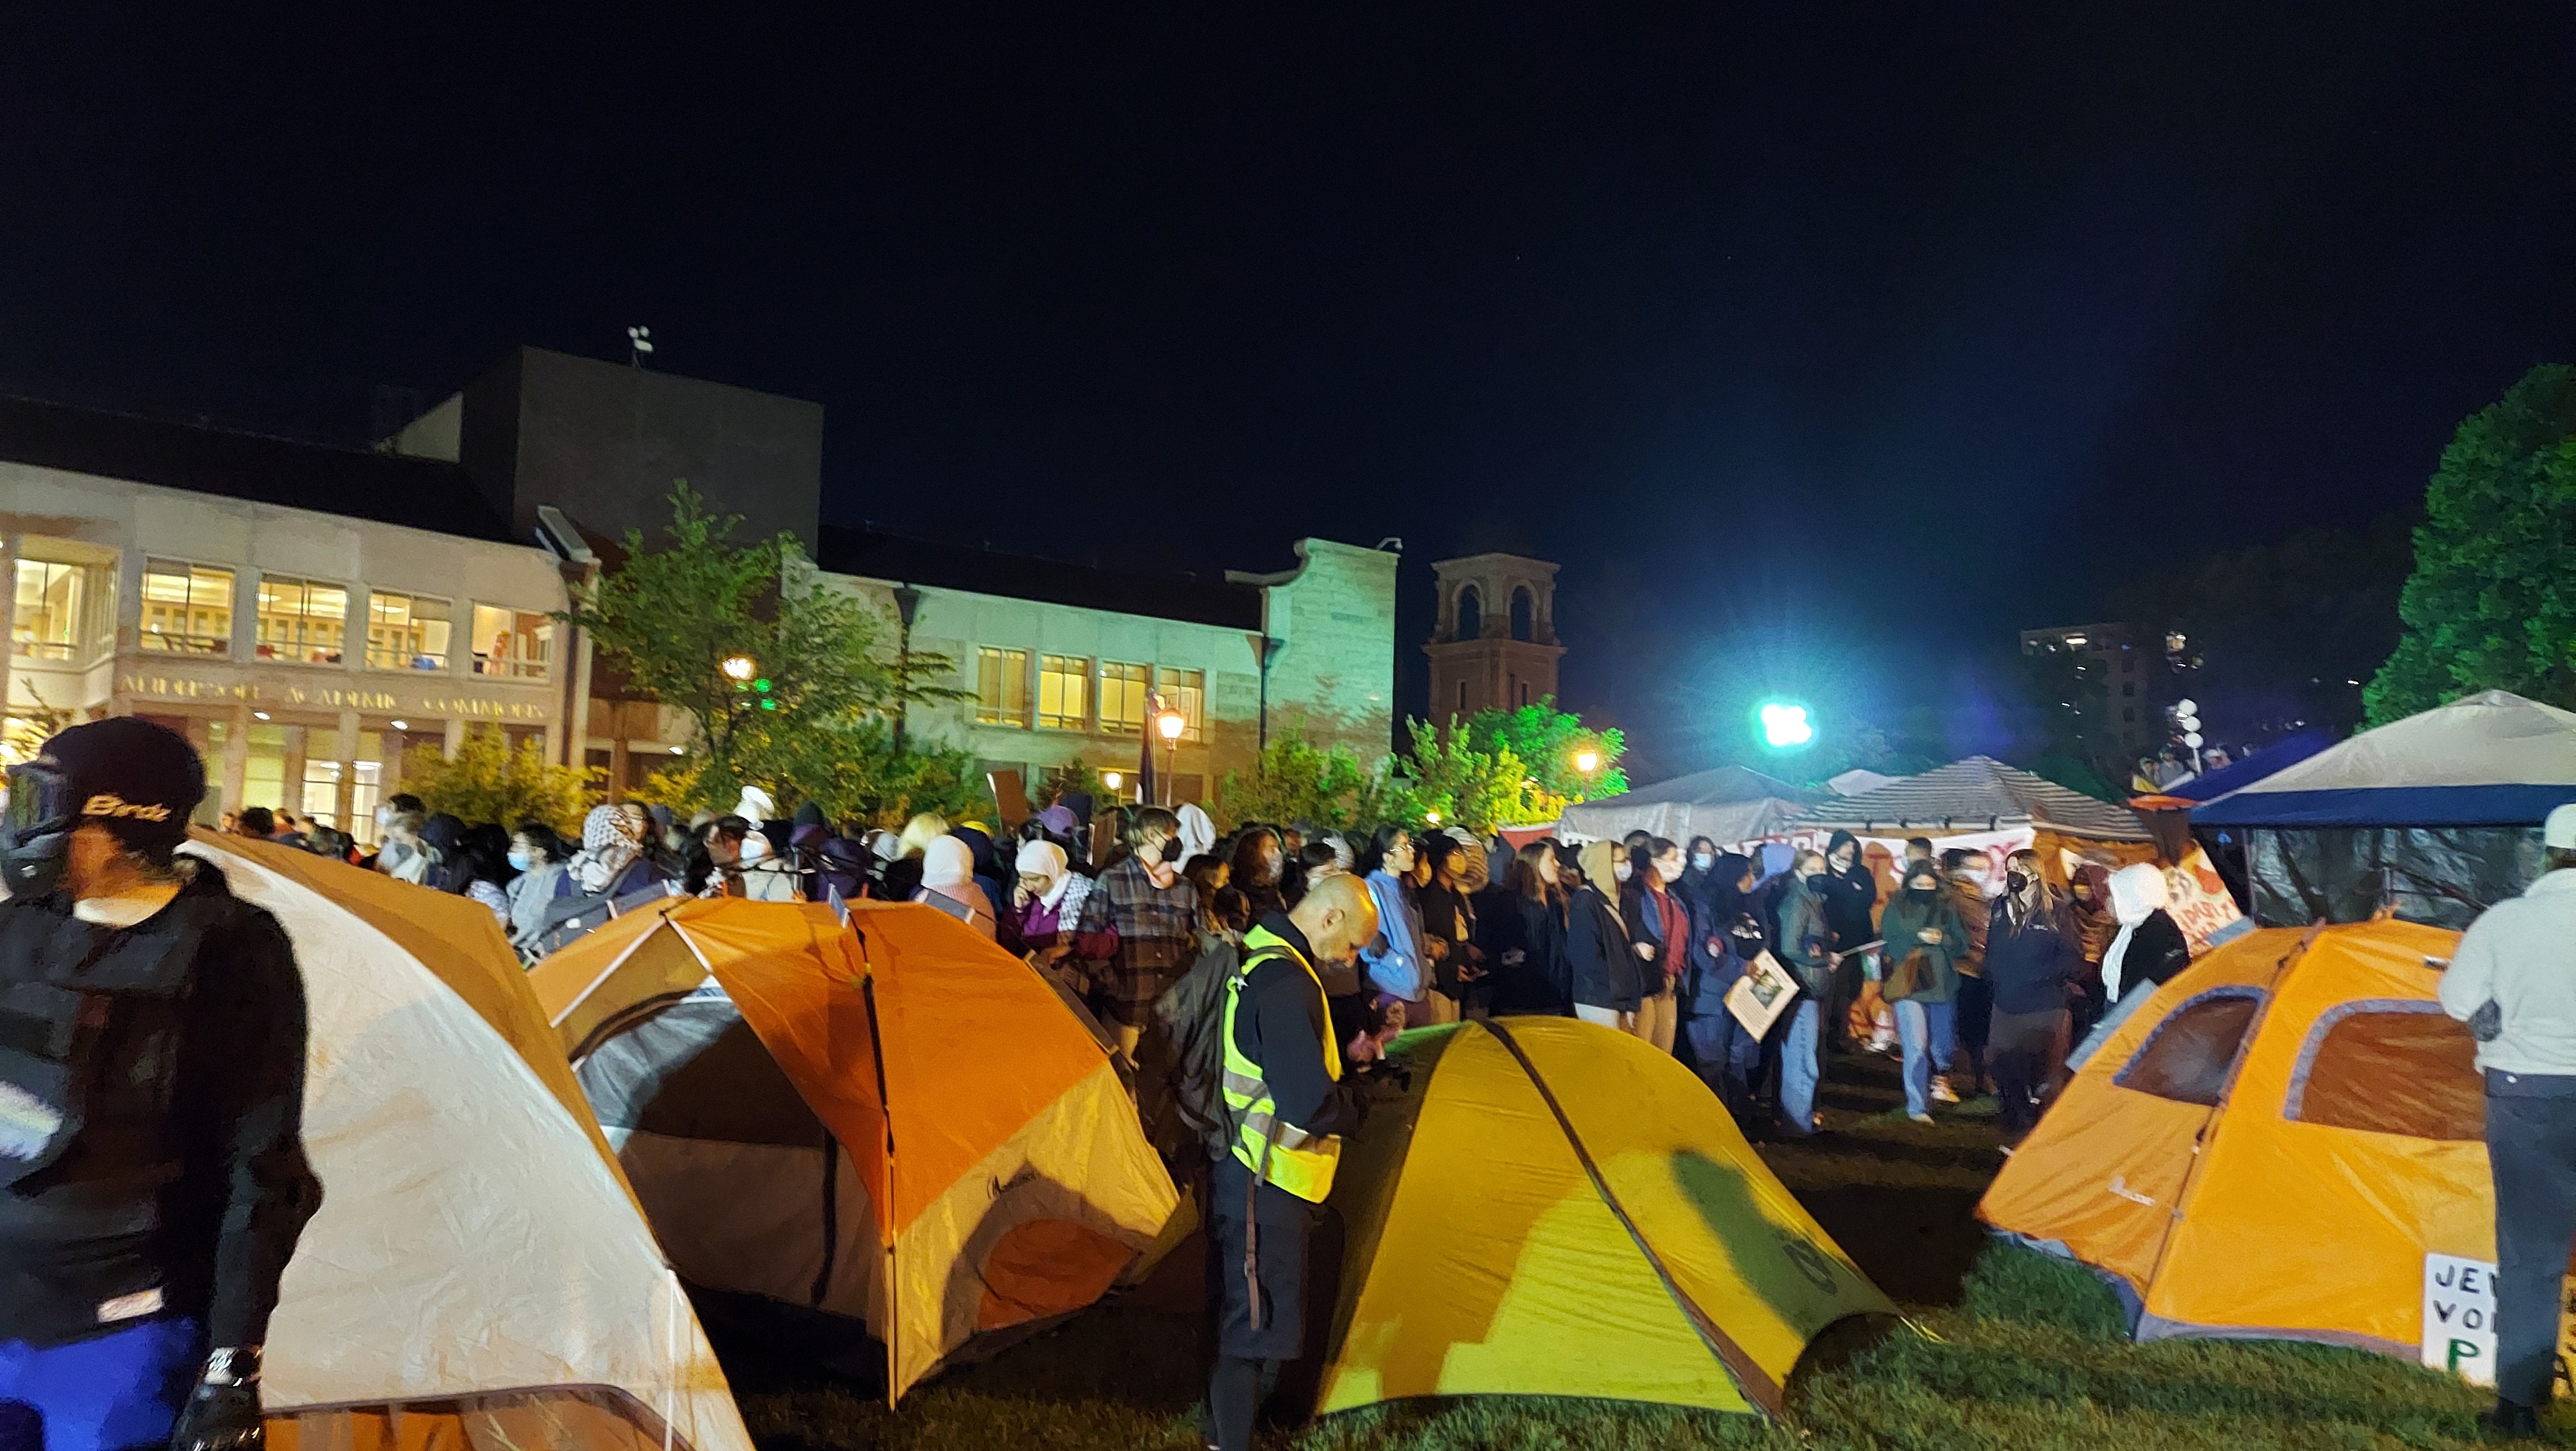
(2199, 903)
(2459, 1319)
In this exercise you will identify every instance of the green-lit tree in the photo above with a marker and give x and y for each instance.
(1549, 744)
(810, 718)
(2492, 602)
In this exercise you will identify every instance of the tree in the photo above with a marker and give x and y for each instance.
(811, 719)
(1293, 780)
(486, 781)
(1547, 742)
(2491, 604)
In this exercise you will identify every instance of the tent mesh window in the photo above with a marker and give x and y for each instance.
(2188, 1056)
(2390, 1068)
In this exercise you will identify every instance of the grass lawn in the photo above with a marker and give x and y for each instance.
(2004, 1349)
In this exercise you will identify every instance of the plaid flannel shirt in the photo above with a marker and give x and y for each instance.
(1157, 936)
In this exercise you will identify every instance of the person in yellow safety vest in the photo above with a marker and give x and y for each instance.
(1289, 1108)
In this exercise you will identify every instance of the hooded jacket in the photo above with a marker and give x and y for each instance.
(1599, 957)
(168, 1060)
(1906, 918)
(2032, 948)
(1850, 896)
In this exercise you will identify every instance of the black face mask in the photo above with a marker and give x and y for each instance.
(1818, 882)
(36, 835)
(2016, 882)
(1922, 894)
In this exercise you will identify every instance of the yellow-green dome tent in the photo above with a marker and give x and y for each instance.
(1558, 1209)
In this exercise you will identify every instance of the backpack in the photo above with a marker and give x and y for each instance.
(1180, 1069)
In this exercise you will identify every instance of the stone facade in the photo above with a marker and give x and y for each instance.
(1494, 644)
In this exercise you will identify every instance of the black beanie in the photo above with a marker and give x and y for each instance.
(139, 780)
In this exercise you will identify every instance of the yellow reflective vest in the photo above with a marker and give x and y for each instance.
(1280, 1152)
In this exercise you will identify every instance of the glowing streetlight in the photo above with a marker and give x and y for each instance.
(1432, 816)
(740, 668)
(1785, 726)
(1170, 723)
(1115, 781)
(1587, 760)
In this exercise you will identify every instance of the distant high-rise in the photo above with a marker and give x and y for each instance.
(1495, 642)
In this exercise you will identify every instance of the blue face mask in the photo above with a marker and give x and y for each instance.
(518, 861)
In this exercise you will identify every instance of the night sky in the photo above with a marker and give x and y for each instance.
(1824, 345)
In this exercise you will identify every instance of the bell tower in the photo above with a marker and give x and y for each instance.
(1495, 642)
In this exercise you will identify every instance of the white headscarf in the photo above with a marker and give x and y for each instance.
(754, 806)
(947, 864)
(1198, 834)
(2137, 893)
(1045, 859)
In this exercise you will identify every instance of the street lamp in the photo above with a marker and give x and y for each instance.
(1171, 723)
(1113, 780)
(1587, 760)
(740, 668)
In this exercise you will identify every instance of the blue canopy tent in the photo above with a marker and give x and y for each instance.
(2437, 815)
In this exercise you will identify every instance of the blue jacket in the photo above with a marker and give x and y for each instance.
(2027, 966)
(1394, 959)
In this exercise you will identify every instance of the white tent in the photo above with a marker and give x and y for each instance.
(2436, 816)
(479, 1276)
(1730, 806)
(1978, 794)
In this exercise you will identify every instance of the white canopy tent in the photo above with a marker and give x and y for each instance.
(1730, 805)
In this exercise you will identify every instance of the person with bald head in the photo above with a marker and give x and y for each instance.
(1289, 1107)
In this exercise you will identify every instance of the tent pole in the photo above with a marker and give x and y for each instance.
(876, 1050)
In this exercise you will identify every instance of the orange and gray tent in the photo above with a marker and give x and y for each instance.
(2272, 1145)
(1555, 1208)
(889, 1119)
(479, 1275)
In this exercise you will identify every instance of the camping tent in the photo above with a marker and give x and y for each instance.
(2285, 1142)
(2436, 815)
(478, 1274)
(891, 1119)
(1555, 1208)
(1730, 806)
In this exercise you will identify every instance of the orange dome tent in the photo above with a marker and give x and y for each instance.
(2285, 1142)
(891, 1119)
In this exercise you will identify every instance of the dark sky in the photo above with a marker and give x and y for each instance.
(1824, 345)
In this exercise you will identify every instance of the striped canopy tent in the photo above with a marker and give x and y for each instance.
(1729, 805)
(1554, 1208)
(1976, 795)
(479, 1276)
(2437, 815)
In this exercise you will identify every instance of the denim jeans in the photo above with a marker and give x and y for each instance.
(1800, 1067)
(1926, 1031)
(119, 1389)
(1727, 1056)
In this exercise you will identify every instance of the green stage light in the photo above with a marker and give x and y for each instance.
(1785, 727)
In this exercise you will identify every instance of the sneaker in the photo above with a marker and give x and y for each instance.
(1921, 1118)
(1941, 1091)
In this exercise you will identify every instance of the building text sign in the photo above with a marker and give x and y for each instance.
(156, 685)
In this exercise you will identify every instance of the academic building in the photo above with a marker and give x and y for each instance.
(312, 617)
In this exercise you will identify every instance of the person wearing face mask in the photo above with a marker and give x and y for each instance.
(1851, 900)
(1806, 949)
(1155, 912)
(1397, 970)
(1699, 873)
(1449, 919)
(2145, 954)
(1601, 960)
(1254, 870)
(1289, 1106)
(1724, 940)
(1968, 872)
(536, 854)
(1920, 981)
(2031, 950)
(153, 1179)
(1659, 928)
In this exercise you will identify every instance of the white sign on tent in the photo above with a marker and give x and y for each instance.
(2459, 1318)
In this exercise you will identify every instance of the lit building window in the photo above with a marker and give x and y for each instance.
(406, 632)
(47, 623)
(1123, 689)
(513, 644)
(302, 620)
(1064, 692)
(1001, 687)
(321, 795)
(187, 609)
(1186, 691)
